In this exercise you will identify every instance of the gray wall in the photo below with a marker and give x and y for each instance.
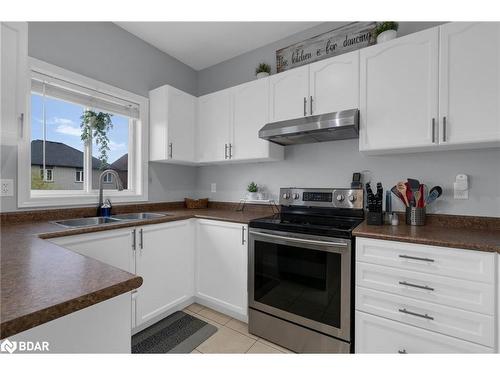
(106, 52)
(331, 164)
(241, 68)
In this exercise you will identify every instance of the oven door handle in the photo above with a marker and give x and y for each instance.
(300, 240)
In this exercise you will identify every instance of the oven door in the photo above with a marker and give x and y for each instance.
(301, 278)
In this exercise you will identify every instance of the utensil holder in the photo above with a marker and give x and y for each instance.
(415, 215)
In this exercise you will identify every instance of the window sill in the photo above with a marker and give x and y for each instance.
(78, 199)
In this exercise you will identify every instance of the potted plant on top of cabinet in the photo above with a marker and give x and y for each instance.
(386, 31)
(263, 70)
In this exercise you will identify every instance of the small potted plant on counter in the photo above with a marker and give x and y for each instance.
(386, 31)
(263, 70)
(252, 191)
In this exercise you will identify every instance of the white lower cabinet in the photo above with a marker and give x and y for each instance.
(113, 247)
(379, 335)
(164, 259)
(424, 299)
(221, 266)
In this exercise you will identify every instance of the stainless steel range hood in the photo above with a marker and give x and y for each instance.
(321, 128)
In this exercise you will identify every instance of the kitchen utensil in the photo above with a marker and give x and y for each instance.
(402, 190)
(434, 194)
(398, 194)
(388, 201)
(420, 202)
(417, 195)
(414, 186)
(409, 195)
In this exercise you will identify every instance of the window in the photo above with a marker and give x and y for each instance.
(108, 178)
(63, 138)
(79, 175)
(48, 176)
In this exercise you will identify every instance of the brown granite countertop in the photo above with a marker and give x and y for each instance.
(473, 233)
(41, 281)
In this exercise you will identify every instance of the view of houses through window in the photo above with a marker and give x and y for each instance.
(56, 144)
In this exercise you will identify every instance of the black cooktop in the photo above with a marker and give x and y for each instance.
(319, 225)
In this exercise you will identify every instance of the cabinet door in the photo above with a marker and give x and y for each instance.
(334, 84)
(250, 114)
(214, 121)
(113, 247)
(289, 94)
(182, 121)
(380, 335)
(469, 90)
(165, 262)
(398, 93)
(221, 266)
(14, 54)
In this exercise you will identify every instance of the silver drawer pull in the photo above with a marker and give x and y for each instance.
(405, 283)
(403, 351)
(425, 316)
(416, 258)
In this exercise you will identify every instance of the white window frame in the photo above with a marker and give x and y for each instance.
(78, 172)
(108, 178)
(44, 174)
(137, 158)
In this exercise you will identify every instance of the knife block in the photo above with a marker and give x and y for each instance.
(375, 218)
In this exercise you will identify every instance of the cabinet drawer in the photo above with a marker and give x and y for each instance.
(379, 335)
(462, 294)
(444, 261)
(461, 324)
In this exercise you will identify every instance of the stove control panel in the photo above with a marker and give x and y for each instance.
(332, 198)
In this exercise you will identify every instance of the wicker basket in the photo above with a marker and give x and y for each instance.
(196, 203)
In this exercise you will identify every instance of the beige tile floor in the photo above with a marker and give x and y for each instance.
(232, 335)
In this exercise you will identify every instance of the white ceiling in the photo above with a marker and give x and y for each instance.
(203, 44)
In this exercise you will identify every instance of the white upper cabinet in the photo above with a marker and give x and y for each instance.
(214, 121)
(334, 84)
(14, 55)
(172, 125)
(250, 111)
(399, 90)
(289, 94)
(469, 83)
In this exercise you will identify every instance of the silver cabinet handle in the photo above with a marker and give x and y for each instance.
(141, 239)
(402, 351)
(433, 130)
(305, 105)
(416, 258)
(230, 151)
(416, 286)
(134, 244)
(310, 105)
(425, 316)
(170, 150)
(225, 151)
(21, 124)
(243, 235)
(444, 128)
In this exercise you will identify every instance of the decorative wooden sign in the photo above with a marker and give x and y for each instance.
(344, 39)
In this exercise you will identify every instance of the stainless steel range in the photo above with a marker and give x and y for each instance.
(300, 270)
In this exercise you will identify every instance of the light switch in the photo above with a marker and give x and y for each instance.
(213, 187)
(6, 188)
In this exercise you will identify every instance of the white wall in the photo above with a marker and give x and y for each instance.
(331, 164)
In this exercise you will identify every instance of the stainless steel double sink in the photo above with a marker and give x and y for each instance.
(114, 219)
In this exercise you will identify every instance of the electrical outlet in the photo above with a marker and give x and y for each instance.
(213, 187)
(6, 188)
